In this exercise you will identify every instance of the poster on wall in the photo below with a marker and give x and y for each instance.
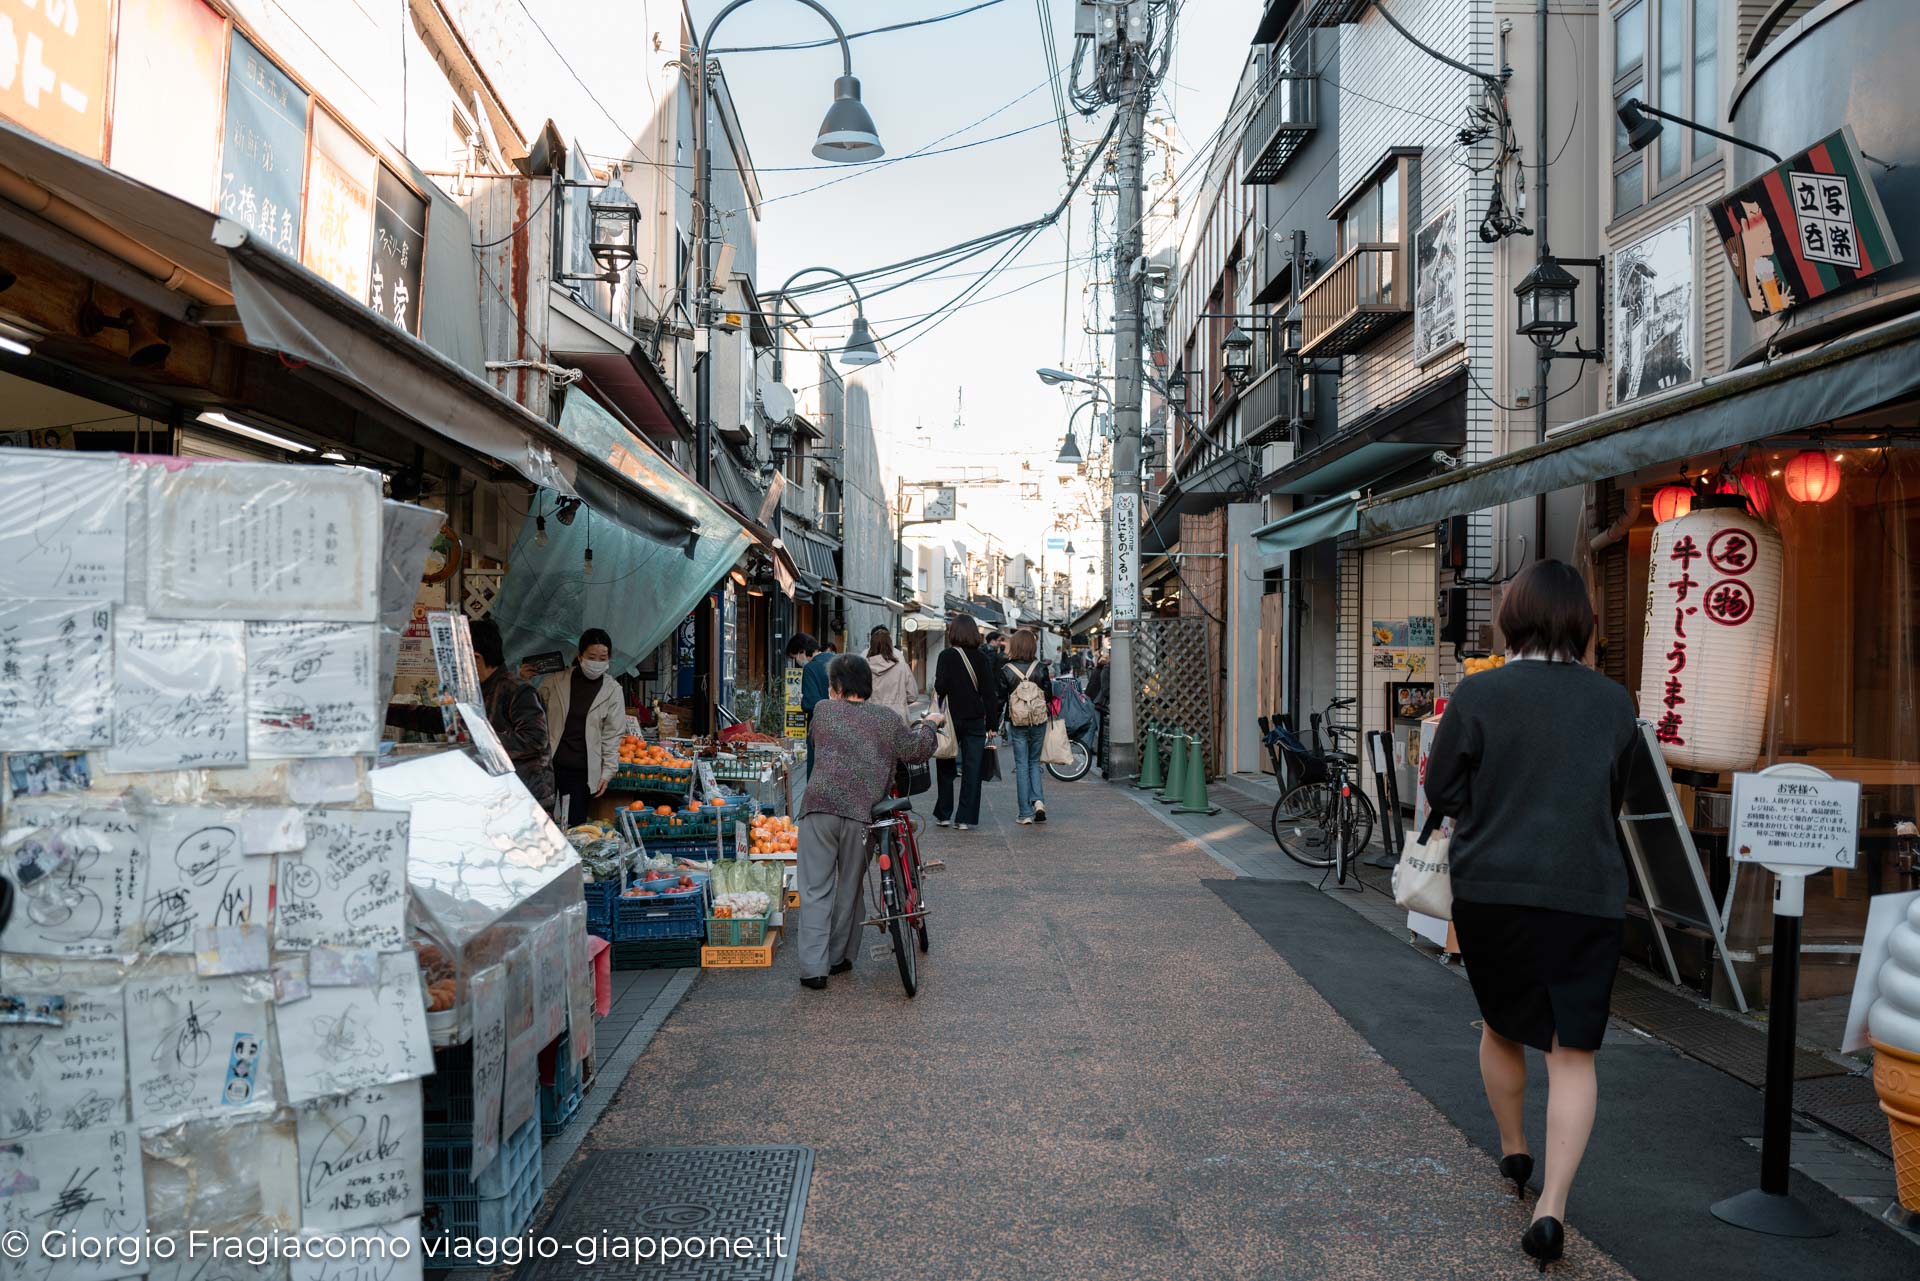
(1410, 702)
(1389, 633)
(1439, 284)
(264, 159)
(1655, 314)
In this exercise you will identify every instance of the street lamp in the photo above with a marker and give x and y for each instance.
(1069, 451)
(1236, 355)
(1177, 386)
(1641, 131)
(615, 223)
(1290, 331)
(1546, 304)
(847, 135)
(860, 348)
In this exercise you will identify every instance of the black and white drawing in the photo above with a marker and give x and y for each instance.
(1656, 320)
(1439, 300)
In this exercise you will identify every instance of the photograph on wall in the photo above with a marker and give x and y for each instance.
(1410, 701)
(1389, 633)
(1439, 298)
(1655, 318)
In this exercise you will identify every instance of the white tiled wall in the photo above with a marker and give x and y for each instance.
(1398, 583)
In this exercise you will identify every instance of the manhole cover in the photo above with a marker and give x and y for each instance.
(715, 1214)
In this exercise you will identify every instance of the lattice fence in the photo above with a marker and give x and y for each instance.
(1173, 679)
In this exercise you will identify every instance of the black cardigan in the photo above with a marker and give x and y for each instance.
(966, 701)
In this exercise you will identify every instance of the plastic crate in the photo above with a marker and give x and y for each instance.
(659, 954)
(737, 931)
(446, 1097)
(600, 896)
(660, 779)
(560, 1098)
(498, 1201)
(705, 851)
(680, 917)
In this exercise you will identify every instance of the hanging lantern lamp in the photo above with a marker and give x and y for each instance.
(1671, 503)
(1811, 477)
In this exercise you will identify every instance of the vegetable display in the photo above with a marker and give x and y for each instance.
(750, 903)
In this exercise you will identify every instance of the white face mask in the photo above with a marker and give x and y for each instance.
(593, 668)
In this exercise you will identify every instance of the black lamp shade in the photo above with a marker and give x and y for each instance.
(860, 348)
(1641, 128)
(847, 134)
(1069, 451)
(1546, 301)
(1177, 386)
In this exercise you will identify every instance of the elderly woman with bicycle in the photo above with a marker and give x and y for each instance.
(857, 745)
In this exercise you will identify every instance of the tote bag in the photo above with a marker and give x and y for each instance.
(1055, 751)
(1422, 879)
(946, 746)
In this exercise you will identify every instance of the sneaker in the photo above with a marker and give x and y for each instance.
(963, 827)
(1039, 812)
(1024, 822)
(943, 822)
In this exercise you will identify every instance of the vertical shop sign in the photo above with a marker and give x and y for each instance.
(338, 240)
(399, 251)
(796, 722)
(53, 70)
(263, 160)
(171, 52)
(729, 645)
(1126, 557)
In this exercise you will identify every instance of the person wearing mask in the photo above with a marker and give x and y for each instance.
(515, 711)
(1539, 879)
(804, 652)
(586, 718)
(1025, 687)
(861, 744)
(965, 679)
(893, 683)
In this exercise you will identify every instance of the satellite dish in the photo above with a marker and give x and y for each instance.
(776, 401)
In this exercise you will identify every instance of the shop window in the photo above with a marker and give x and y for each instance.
(1667, 54)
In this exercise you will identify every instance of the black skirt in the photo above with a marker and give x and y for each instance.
(1539, 973)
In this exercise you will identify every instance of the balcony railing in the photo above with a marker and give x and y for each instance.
(1361, 295)
(1280, 126)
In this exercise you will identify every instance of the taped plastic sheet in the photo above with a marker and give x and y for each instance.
(72, 1077)
(179, 694)
(263, 541)
(198, 1048)
(233, 1177)
(407, 534)
(79, 869)
(310, 689)
(64, 526)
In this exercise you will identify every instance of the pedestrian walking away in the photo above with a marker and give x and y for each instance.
(965, 680)
(586, 717)
(1539, 879)
(804, 652)
(893, 683)
(1024, 684)
(860, 745)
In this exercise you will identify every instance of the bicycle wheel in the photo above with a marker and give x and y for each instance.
(893, 894)
(1364, 821)
(1082, 762)
(1300, 825)
(916, 873)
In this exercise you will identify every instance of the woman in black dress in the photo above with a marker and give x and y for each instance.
(1531, 761)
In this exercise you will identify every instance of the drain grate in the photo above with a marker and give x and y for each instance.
(1734, 1048)
(1849, 1105)
(684, 1200)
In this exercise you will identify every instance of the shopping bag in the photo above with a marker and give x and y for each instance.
(1422, 881)
(1055, 750)
(946, 746)
(990, 764)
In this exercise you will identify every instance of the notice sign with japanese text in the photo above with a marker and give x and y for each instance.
(264, 162)
(1795, 821)
(1809, 226)
(1126, 556)
(796, 718)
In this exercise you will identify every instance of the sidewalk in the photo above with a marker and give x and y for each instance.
(1116, 1069)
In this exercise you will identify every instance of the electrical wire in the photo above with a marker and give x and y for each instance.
(519, 226)
(858, 35)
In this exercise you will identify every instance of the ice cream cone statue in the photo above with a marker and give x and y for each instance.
(1894, 1023)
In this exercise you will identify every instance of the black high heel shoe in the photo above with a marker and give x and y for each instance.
(1519, 1168)
(1544, 1241)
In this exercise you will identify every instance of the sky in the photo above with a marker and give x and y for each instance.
(961, 394)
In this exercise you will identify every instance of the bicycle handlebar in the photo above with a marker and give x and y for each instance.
(1341, 729)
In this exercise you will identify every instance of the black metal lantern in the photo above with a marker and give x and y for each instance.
(1546, 301)
(1177, 386)
(1236, 355)
(1290, 331)
(616, 223)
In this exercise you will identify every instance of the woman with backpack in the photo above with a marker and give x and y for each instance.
(1025, 679)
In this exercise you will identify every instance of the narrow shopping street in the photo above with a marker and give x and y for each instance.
(1111, 1073)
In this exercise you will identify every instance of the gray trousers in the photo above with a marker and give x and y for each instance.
(832, 869)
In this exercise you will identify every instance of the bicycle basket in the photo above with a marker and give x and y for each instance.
(912, 780)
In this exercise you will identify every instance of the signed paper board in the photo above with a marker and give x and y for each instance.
(390, 1253)
(310, 689)
(260, 541)
(56, 675)
(520, 1089)
(273, 829)
(487, 999)
(63, 526)
(550, 979)
(580, 981)
(198, 876)
(197, 1047)
(66, 1078)
(89, 1185)
(348, 887)
(347, 1038)
(79, 875)
(360, 1157)
(179, 694)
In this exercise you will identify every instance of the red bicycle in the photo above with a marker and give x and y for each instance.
(894, 885)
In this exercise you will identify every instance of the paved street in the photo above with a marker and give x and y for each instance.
(1110, 1074)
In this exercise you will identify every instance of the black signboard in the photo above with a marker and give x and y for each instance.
(264, 156)
(399, 251)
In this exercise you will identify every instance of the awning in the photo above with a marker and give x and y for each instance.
(815, 555)
(1847, 376)
(785, 572)
(1088, 619)
(1382, 442)
(287, 309)
(1206, 489)
(620, 367)
(1309, 525)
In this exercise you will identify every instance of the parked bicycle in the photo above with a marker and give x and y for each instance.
(1325, 820)
(1083, 742)
(894, 891)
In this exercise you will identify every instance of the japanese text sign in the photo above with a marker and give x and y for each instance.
(1805, 228)
(263, 161)
(53, 70)
(1795, 819)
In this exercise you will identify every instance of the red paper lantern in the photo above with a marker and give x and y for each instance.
(1671, 503)
(1811, 477)
(1758, 495)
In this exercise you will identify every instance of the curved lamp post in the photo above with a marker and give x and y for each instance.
(860, 348)
(847, 136)
(1070, 455)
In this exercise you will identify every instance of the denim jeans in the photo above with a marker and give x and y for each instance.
(971, 738)
(1027, 770)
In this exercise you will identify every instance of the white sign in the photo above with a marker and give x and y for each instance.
(348, 1038)
(348, 887)
(1823, 208)
(360, 1157)
(1125, 601)
(71, 1188)
(198, 877)
(56, 675)
(549, 980)
(72, 1077)
(197, 1048)
(79, 875)
(310, 689)
(1795, 820)
(64, 532)
(487, 990)
(179, 694)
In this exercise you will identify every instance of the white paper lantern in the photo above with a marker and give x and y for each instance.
(1713, 612)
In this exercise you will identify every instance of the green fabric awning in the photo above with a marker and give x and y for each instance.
(1310, 525)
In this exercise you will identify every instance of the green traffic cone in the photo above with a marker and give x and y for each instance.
(1150, 778)
(1176, 771)
(1193, 797)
